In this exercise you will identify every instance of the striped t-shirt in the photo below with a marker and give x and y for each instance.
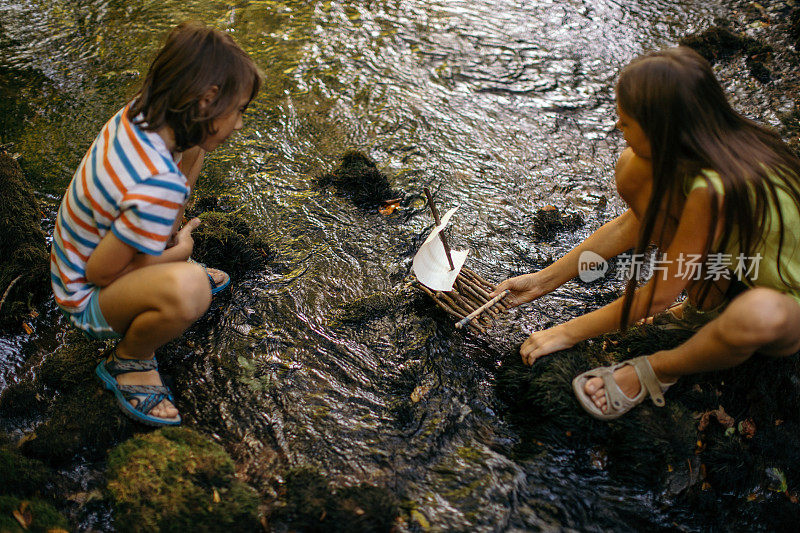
(127, 183)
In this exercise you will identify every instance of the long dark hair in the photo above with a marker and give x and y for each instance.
(682, 109)
(194, 59)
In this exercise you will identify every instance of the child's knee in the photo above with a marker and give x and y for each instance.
(764, 315)
(190, 291)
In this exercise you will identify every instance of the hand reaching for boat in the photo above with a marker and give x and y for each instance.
(524, 288)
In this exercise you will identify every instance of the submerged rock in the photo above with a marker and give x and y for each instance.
(226, 241)
(550, 220)
(721, 42)
(174, 479)
(309, 503)
(358, 178)
(24, 259)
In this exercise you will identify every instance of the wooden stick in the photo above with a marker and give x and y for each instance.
(481, 285)
(441, 233)
(465, 288)
(467, 319)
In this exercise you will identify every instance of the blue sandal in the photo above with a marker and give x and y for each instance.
(147, 396)
(215, 287)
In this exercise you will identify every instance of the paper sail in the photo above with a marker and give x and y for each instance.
(430, 265)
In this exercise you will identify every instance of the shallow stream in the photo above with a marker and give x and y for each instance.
(500, 106)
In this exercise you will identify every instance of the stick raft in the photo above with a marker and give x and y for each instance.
(469, 301)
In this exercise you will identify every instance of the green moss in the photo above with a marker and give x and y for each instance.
(175, 479)
(226, 241)
(358, 178)
(43, 516)
(23, 251)
(21, 476)
(309, 504)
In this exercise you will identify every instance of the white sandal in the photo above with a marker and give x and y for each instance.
(617, 403)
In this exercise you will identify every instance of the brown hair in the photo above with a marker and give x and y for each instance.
(194, 59)
(682, 109)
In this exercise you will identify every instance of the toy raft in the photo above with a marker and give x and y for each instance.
(457, 290)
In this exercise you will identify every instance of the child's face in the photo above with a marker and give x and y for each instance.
(226, 124)
(633, 133)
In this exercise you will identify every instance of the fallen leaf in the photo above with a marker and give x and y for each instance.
(420, 519)
(549, 208)
(33, 313)
(216, 497)
(23, 515)
(747, 428)
(706, 485)
(28, 329)
(419, 393)
(57, 530)
(387, 210)
(752, 497)
(719, 414)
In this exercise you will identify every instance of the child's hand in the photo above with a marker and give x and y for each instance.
(183, 238)
(523, 289)
(545, 342)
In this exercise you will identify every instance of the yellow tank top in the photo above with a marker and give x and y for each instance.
(767, 274)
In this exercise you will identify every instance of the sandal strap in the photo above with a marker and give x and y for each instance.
(616, 399)
(119, 366)
(153, 395)
(648, 379)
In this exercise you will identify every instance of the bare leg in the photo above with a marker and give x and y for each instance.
(760, 320)
(152, 306)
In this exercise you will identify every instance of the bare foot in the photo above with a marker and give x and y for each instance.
(165, 409)
(625, 377)
(217, 275)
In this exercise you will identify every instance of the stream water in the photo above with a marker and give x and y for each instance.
(502, 106)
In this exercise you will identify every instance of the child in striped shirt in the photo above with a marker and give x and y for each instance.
(118, 263)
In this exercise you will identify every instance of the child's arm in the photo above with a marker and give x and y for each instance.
(192, 162)
(690, 238)
(611, 239)
(113, 258)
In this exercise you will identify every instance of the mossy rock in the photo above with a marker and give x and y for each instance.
(22, 476)
(664, 448)
(23, 249)
(357, 177)
(41, 517)
(175, 479)
(80, 416)
(720, 42)
(311, 504)
(226, 241)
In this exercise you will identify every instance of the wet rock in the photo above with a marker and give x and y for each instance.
(24, 259)
(309, 503)
(715, 470)
(548, 221)
(721, 42)
(357, 177)
(174, 479)
(21, 476)
(226, 241)
(79, 416)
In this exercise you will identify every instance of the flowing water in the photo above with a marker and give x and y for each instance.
(501, 106)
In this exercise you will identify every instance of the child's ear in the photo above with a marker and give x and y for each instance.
(208, 97)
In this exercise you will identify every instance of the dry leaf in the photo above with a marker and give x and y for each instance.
(747, 428)
(33, 313)
(389, 206)
(23, 515)
(28, 329)
(216, 497)
(419, 393)
(57, 530)
(722, 417)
